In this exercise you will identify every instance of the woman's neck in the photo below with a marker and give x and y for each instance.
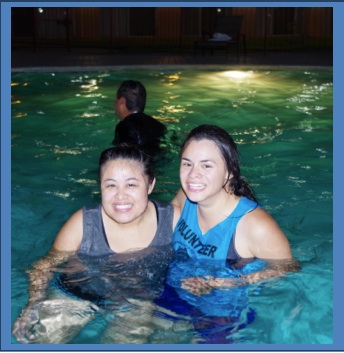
(212, 212)
(136, 234)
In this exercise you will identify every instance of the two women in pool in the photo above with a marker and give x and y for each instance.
(214, 198)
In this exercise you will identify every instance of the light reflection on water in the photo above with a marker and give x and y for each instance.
(282, 121)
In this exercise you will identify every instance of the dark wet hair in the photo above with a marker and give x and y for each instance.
(134, 93)
(229, 151)
(128, 152)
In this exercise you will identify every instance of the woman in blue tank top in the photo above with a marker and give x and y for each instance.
(221, 219)
(223, 240)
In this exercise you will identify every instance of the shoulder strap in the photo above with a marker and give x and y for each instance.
(165, 223)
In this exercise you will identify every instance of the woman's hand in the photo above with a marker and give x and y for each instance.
(22, 327)
(39, 277)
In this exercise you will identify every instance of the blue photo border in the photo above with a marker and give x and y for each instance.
(6, 345)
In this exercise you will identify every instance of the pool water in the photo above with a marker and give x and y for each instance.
(282, 120)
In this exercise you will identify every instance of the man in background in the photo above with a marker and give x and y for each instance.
(135, 126)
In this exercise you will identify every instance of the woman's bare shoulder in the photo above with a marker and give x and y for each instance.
(263, 236)
(70, 235)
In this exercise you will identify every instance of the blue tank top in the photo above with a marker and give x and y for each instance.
(198, 255)
(214, 244)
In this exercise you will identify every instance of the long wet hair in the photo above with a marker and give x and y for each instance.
(128, 152)
(229, 151)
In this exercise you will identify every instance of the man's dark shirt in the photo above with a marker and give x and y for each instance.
(142, 130)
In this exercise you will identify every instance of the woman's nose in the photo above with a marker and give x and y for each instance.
(194, 172)
(120, 193)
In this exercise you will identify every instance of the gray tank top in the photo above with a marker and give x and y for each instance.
(94, 241)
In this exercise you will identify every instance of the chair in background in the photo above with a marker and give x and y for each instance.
(226, 34)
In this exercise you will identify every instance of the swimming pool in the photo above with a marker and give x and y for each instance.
(282, 120)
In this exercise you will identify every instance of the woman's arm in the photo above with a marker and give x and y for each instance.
(70, 235)
(65, 245)
(257, 236)
(42, 272)
(176, 215)
(39, 277)
(179, 199)
(200, 286)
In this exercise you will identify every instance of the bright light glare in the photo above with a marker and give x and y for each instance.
(238, 74)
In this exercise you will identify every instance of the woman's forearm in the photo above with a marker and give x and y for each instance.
(204, 285)
(42, 272)
(276, 269)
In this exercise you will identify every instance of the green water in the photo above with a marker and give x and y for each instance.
(282, 121)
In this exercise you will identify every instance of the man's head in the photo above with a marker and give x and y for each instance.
(131, 97)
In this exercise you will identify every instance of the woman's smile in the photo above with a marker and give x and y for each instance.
(122, 207)
(195, 187)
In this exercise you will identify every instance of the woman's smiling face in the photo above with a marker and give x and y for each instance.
(125, 189)
(203, 171)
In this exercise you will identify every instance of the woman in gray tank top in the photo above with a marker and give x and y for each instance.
(125, 222)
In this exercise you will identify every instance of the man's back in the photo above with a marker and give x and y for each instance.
(140, 129)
